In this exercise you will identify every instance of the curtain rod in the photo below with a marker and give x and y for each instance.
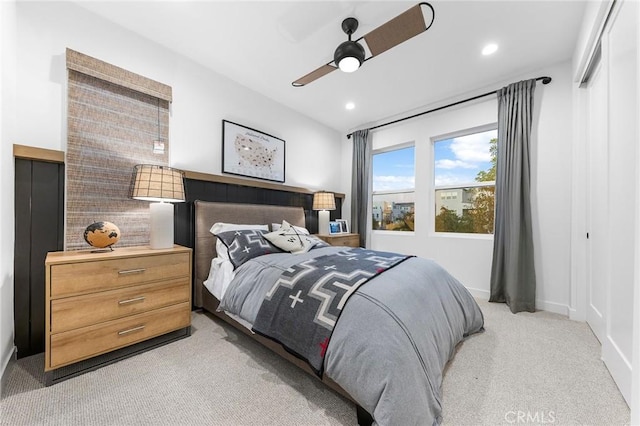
(545, 80)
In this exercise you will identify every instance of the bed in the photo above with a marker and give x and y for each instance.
(388, 349)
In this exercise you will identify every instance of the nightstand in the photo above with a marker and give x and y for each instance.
(101, 307)
(348, 240)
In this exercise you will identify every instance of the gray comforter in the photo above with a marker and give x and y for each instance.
(395, 335)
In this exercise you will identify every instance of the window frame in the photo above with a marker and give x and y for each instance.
(390, 148)
(432, 191)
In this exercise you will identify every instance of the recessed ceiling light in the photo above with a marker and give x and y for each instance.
(350, 105)
(489, 49)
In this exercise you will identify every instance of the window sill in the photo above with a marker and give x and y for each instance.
(383, 232)
(466, 236)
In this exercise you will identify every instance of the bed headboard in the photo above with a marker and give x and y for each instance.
(208, 213)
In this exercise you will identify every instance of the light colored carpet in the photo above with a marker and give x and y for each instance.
(528, 368)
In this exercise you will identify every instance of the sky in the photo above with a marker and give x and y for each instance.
(457, 161)
(394, 170)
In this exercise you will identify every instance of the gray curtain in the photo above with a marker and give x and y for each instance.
(360, 193)
(513, 278)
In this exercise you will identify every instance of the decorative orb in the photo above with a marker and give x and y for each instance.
(102, 234)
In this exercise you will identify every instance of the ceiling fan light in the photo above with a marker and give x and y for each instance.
(349, 64)
(349, 56)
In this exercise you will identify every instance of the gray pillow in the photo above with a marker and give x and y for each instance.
(245, 244)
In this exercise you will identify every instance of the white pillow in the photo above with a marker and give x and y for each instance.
(288, 238)
(220, 275)
(219, 227)
(276, 226)
(222, 250)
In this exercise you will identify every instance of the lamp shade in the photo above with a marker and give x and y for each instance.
(157, 183)
(324, 201)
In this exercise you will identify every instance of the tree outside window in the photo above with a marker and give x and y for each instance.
(465, 172)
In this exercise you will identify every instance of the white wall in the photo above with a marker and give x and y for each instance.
(469, 258)
(201, 98)
(7, 135)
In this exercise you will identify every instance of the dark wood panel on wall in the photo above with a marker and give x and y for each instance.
(204, 190)
(39, 226)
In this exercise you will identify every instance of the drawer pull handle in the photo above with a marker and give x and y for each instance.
(131, 330)
(135, 299)
(132, 271)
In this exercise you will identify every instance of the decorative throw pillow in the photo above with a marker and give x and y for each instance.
(301, 230)
(288, 238)
(219, 227)
(245, 244)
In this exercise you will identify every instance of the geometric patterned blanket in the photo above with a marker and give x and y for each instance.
(302, 307)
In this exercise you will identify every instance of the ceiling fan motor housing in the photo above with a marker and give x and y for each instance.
(349, 49)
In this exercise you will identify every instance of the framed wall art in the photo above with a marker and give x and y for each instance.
(252, 153)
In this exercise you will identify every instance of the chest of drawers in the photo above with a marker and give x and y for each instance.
(97, 303)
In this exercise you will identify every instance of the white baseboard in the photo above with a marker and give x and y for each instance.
(554, 307)
(480, 294)
(577, 315)
(543, 305)
(6, 368)
(619, 367)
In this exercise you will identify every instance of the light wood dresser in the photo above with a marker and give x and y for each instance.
(348, 240)
(101, 307)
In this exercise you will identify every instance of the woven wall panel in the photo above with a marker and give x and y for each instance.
(104, 71)
(110, 129)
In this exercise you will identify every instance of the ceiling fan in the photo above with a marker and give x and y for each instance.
(350, 54)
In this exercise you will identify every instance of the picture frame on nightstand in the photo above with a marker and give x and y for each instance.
(334, 227)
(344, 225)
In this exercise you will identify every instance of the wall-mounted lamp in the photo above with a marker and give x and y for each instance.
(162, 185)
(323, 202)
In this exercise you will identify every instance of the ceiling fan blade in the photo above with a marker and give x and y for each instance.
(314, 75)
(399, 29)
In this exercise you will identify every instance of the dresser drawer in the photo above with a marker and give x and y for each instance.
(75, 345)
(84, 277)
(79, 311)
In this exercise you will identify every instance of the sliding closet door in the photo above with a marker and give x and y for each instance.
(597, 203)
(622, 44)
(612, 134)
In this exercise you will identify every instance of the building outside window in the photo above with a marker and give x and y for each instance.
(465, 173)
(394, 189)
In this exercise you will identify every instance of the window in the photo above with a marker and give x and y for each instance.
(394, 189)
(465, 173)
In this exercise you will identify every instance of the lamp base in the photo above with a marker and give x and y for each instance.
(161, 225)
(323, 222)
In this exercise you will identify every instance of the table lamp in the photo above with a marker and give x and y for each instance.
(163, 185)
(323, 202)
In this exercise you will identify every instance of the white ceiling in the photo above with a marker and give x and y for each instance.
(266, 45)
